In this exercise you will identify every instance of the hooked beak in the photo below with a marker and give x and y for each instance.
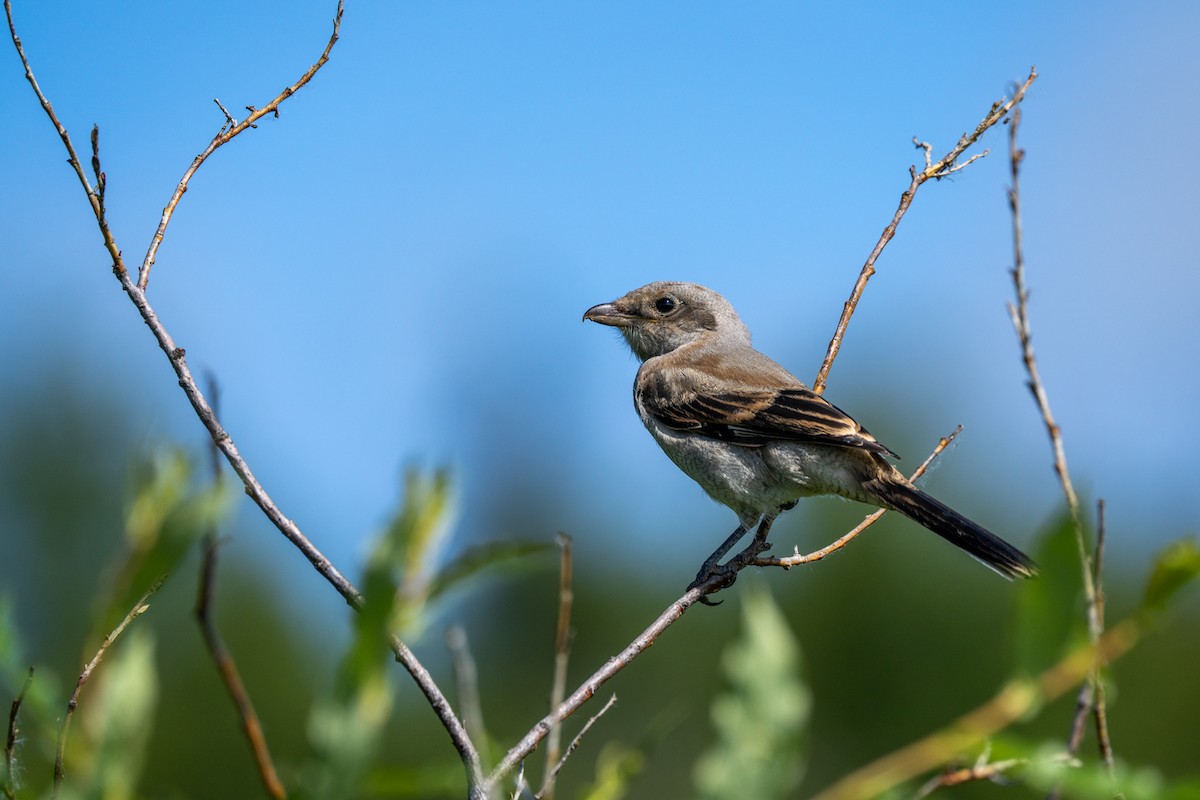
(608, 314)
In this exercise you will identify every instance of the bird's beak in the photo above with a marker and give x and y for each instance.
(608, 314)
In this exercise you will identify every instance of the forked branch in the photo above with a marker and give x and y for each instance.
(229, 129)
(187, 381)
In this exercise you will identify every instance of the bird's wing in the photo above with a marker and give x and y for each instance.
(754, 417)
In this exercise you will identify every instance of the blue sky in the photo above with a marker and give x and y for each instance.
(394, 271)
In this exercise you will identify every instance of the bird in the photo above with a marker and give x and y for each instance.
(754, 436)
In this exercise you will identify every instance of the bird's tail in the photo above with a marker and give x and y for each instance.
(947, 523)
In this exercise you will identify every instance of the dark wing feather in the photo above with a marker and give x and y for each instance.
(755, 417)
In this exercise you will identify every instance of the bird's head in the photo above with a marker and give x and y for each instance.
(664, 316)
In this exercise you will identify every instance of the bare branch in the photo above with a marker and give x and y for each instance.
(983, 769)
(176, 355)
(1091, 695)
(93, 196)
(228, 131)
(139, 608)
(1019, 311)
(228, 671)
(936, 170)
(226, 668)
(787, 562)
(562, 652)
(230, 122)
(1100, 710)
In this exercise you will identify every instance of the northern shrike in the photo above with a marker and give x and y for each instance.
(753, 435)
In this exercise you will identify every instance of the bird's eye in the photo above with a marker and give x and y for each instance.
(665, 305)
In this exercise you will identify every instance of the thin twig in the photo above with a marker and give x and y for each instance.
(10, 740)
(176, 355)
(139, 608)
(226, 667)
(787, 562)
(73, 159)
(1014, 701)
(562, 653)
(228, 131)
(1091, 693)
(230, 122)
(1019, 312)
(1083, 707)
(101, 181)
(936, 170)
(466, 678)
(571, 748)
(984, 769)
(1100, 708)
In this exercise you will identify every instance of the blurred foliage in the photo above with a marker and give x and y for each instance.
(891, 654)
(761, 718)
(109, 751)
(167, 516)
(1175, 567)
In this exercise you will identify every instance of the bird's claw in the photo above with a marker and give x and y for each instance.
(712, 579)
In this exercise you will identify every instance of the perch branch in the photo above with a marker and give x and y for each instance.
(650, 635)
(139, 608)
(943, 167)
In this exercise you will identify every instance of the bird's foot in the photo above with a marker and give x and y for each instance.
(714, 577)
(711, 579)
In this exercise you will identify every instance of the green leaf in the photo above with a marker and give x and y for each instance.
(1051, 618)
(761, 718)
(1175, 567)
(412, 545)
